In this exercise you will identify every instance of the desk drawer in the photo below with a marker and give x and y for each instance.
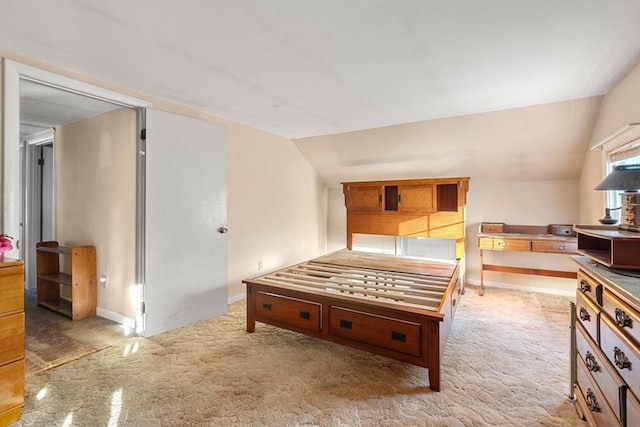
(554, 247)
(600, 369)
(625, 317)
(11, 338)
(485, 243)
(393, 334)
(621, 351)
(292, 311)
(501, 244)
(587, 314)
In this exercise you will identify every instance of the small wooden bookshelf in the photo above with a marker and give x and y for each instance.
(81, 281)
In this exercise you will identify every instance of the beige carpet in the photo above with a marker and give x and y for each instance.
(506, 364)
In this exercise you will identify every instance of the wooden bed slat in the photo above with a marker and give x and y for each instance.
(366, 283)
(351, 288)
(430, 280)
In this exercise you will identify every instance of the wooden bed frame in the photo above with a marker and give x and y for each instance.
(395, 306)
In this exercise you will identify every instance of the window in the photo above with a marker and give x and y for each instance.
(627, 154)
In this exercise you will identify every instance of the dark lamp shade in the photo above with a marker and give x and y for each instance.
(625, 178)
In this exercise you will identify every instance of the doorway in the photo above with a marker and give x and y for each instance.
(203, 281)
(38, 196)
(50, 338)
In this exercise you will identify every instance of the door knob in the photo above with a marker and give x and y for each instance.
(223, 230)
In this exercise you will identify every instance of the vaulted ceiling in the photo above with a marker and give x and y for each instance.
(311, 68)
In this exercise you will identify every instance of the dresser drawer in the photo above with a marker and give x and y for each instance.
(589, 287)
(291, 311)
(392, 334)
(12, 390)
(591, 399)
(11, 338)
(600, 369)
(554, 247)
(621, 351)
(11, 289)
(633, 410)
(587, 314)
(626, 318)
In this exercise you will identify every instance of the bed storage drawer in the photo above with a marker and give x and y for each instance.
(587, 314)
(393, 334)
(291, 311)
(456, 295)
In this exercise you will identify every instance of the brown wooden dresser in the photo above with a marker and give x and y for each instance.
(11, 340)
(606, 345)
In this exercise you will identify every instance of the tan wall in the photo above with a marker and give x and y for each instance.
(277, 206)
(95, 199)
(620, 107)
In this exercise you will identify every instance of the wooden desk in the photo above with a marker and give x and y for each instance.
(554, 239)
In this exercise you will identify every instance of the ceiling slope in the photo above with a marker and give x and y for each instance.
(537, 143)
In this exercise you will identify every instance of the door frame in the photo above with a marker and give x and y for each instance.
(12, 215)
(30, 202)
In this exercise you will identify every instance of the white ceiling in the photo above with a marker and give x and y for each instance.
(317, 67)
(44, 107)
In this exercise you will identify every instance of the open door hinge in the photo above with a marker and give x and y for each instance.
(142, 307)
(40, 162)
(143, 134)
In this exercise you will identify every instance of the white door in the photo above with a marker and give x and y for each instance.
(185, 214)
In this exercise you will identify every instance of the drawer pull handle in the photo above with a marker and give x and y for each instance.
(266, 306)
(592, 403)
(398, 336)
(345, 324)
(622, 319)
(502, 244)
(584, 315)
(584, 286)
(305, 315)
(621, 360)
(559, 247)
(591, 363)
(453, 302)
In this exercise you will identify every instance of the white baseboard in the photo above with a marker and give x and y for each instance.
(237, 298)
(488, 284)
(117, 317)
